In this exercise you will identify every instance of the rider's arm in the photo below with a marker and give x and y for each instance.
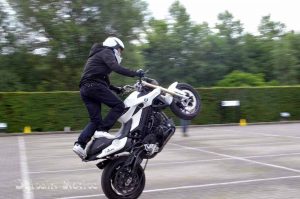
(111, 62)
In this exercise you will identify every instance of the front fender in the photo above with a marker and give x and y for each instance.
(178, 92)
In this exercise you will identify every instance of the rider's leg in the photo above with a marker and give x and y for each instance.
(116, 111)
(109, 121)
(94, 109)
(95, 121)
(117, 106)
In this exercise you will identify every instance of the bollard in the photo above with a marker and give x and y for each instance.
(243, 122)
(27, 129)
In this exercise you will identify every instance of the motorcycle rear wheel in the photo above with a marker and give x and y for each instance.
(120, 182)
(186, 109)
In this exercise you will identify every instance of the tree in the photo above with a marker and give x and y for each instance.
(238, 78)
(230, 31)
(168, 49)
(157, 51)
(253, 54)
(180, 49)
(270, 32)
(270, 29)
(71, 27)
(50, 44)
(285, 62)
(294, 43)
(2, 14)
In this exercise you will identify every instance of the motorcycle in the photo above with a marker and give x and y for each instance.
(144, 132)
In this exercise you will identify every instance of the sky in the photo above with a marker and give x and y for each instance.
(249, 12)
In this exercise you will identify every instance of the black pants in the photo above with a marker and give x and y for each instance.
(93, 94)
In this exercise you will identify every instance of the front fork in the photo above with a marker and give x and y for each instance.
(135, 158)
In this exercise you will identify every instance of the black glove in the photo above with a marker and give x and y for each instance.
(140, 73)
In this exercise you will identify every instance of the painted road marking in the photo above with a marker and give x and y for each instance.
(241, 158)
(27, 192)
(197, 186)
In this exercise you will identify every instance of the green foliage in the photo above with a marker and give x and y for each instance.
(230, 32)
(71, 28)
(270, 29)
(180, 49)
(52, 111)
(238, 78)
(42, 111)
(285, 62)
(258, 104)
(173, 49)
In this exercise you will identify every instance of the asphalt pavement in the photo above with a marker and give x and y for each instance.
(220, 162)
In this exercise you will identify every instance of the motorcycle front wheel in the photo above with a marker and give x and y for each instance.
(186, 109)
(120, 182)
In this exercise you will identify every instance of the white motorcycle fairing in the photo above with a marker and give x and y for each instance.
(133, 102)
(145, 131)
(133, 118)
(115, 146)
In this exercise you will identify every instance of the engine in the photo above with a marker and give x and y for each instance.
(158, 131)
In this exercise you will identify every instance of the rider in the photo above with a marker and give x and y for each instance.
(95, 89)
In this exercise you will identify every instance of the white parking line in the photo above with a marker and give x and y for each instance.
(27, 192)
(222, 183)
(86, 196)
(240, 158)
(197, 186)
(220, 159)
(242, 145)
(40, 158)
(171, 162)
(263, 134)
(275, 135)
(61, 171)
(48, 139)
(272, 155)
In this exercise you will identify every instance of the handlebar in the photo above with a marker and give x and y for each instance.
(152, 83)
(127, 89)
(139, 85)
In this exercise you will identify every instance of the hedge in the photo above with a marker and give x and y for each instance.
(257, 104)
(52, 111)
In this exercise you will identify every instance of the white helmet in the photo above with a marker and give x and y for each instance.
(113, 42)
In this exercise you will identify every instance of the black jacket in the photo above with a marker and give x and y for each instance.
(101, 62)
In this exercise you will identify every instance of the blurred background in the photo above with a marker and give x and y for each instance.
(44, 45)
